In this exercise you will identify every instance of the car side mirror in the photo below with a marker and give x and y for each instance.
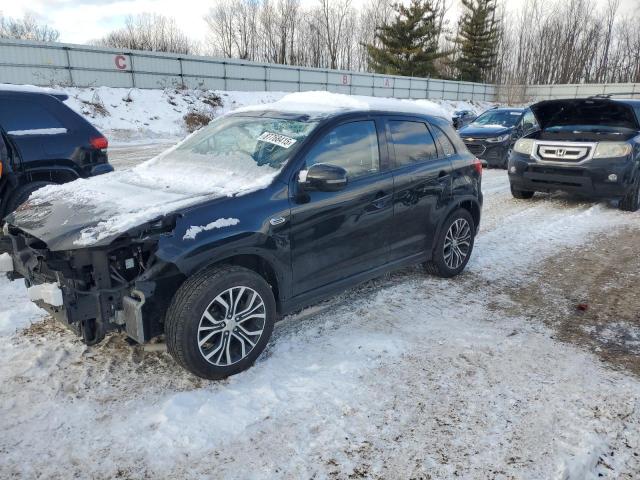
(323, 177)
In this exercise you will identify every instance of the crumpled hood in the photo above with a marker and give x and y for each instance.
(584, 111)
(70, 222)
(95, 211)
(483, 131)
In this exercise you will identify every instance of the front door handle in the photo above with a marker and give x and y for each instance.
(381, 200)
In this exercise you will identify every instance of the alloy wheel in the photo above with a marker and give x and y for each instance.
(231, 326)
(457, 243)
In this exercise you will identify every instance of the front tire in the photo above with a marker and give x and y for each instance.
(454, 245)
(220, 320)
(521, 194)
(631, 201)
(505, 163)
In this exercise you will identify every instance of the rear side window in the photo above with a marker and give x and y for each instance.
(352, 146)
(21, 115)
(445, 144)
(412, 142)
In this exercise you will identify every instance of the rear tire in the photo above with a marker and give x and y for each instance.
(23, 193)
(220, 321)
(521, 194)
(454, 245)
(631, 201)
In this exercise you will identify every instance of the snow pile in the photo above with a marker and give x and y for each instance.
(131, 115)
(128, 115)
(193, 231)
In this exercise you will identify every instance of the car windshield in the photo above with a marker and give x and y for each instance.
(238, 143)
(498, 118)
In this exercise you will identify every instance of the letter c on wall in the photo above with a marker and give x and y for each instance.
(120, 61)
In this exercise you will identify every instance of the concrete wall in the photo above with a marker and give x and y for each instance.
(47, 64)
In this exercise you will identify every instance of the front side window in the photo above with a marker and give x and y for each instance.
(352, 146)
(412, 141)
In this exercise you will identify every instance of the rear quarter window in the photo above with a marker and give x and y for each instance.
(21, 115)
(443, 140)
(412, 142)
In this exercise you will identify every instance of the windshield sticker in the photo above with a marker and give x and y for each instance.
(516, 113)
(277, 139)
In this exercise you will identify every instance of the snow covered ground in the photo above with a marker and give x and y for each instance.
(129, 116)
(407, 376)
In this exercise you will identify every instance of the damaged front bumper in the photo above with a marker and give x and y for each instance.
(92, 291)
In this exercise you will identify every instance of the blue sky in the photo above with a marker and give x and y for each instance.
(82, 20)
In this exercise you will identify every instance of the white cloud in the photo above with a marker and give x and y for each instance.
(79, 21)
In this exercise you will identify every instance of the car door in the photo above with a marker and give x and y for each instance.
(335, 235)
(422, 181)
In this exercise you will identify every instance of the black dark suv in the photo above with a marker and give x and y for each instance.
(43, 142)
(585, 146)
(491, 136)
(256, 215)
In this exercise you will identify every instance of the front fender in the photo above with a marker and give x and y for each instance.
(219, 241)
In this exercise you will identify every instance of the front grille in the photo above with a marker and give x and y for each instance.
(477, 150)
(563, 153)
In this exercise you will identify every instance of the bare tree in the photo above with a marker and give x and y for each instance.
(151, 32)
(334, 14)
(27, 28)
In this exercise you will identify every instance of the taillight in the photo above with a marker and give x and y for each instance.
(477, 164)
(99, 143)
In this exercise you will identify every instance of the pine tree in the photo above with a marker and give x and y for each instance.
(409, 45)
(477, 40)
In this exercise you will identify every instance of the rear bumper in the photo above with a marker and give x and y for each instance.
(588, 179)
(101, 169)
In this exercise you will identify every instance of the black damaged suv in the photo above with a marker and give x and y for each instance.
(256, 215)
(587, 146)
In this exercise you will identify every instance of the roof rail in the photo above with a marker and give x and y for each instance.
(601, 95)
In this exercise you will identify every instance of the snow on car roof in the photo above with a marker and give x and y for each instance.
(8, 87)
(328, 103)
